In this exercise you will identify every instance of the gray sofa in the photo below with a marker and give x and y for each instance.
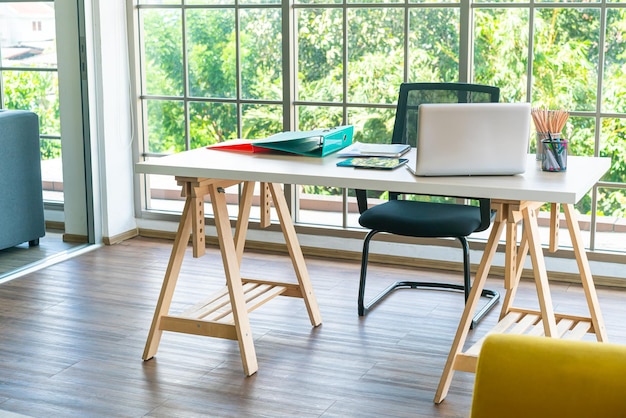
(21, 201)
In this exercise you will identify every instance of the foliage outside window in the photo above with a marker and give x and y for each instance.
(28, 67)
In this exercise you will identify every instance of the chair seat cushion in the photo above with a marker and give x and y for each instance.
(529, 376)
(422, 219)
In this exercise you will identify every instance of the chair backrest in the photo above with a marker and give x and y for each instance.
(411, 96)
(526, 376)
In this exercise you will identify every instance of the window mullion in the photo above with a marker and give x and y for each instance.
(465, 41)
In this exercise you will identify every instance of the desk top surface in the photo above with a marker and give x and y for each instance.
(534, 185)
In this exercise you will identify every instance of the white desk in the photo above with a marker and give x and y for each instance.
(568, 187)
(516, 199)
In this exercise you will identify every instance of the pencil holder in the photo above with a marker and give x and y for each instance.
(540, 137)
(554, 156)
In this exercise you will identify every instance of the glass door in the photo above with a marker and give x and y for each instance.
(35, 36)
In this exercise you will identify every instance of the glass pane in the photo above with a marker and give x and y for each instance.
(163, 193)
(210, 123)
(570, 1)
(37, 91)
(320, 205)
(499, 1)
(434, 45)
(580, 131)
(372, 125)
(261, 54)
(160, 1)
(353, 210)
(614, 83)
(318, 1)
(211, 52)
(612, 204)
(502, 33)
(435, 1)
(260, 1)
(375, 54)
(313, 117)
(209, 2)
(566, 58)
(613, 145)
(320, 55)
(166, 126)
(255, 210)
(29, 80)
(611, 221)
(51, 170)
(374, 1)
(261, 121)
(28, 37)
(162, 59)
(50, 148)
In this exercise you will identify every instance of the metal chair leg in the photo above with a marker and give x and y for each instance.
(487, 293)
(366, 245)
(364, 308)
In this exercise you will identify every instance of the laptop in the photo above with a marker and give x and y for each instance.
(460, 139)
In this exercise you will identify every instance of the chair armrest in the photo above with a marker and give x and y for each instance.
(361, 200)
(486, 214)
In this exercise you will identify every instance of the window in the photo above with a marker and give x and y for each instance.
(213, 70)
(29, 79)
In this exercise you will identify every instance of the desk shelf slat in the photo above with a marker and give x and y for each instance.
(217, 307)
(521, 321)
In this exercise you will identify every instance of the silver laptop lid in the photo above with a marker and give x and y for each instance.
(457, 139)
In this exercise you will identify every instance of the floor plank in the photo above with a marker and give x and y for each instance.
(73, 333)
(22, 256)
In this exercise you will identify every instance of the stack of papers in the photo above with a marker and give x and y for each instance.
(359, 149)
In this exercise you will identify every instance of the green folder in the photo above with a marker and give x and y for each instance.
(314, 143)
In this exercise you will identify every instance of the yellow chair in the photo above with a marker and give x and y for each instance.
(525, 376)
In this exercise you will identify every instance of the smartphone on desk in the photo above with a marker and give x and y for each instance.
(379, 163)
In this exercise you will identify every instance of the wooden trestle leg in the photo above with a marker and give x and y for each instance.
(589, 288)
(225, 315)
(171, 277)
(470, 307)
(516, 320)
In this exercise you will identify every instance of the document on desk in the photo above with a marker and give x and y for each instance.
(314, 143)
(360, 149)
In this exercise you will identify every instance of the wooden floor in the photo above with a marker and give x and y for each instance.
(23, 256)
(72, 336)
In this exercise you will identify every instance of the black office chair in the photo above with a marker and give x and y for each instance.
(426, 219)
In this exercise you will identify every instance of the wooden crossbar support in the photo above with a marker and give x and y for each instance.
(526, 322)
(214, 316)
(544, 322)
(225, 314)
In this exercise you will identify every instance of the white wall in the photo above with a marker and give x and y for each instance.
(110, 115)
